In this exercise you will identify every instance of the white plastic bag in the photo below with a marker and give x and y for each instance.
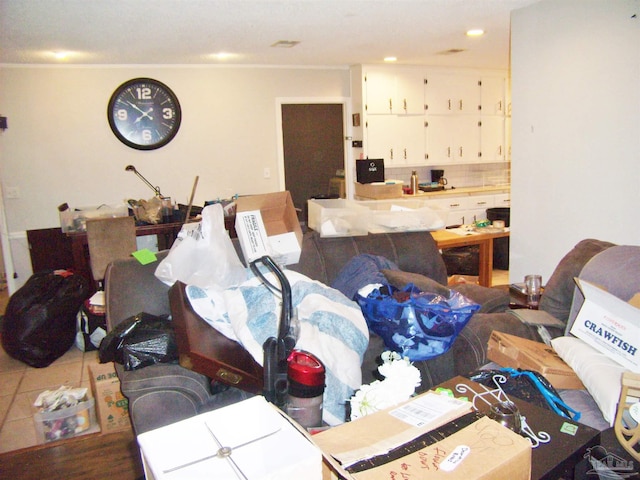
(203, 254)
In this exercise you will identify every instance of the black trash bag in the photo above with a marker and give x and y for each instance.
(39, 324)
(527, 385)
(140, 341)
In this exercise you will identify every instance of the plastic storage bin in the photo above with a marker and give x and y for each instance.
(67, 422)
(403, 215)
(338, 217)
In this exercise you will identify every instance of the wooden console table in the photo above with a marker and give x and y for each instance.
(446, 239)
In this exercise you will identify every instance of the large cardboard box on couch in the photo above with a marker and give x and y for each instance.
(268, 224)
(112, 407)
(610, 325)
(515, 352)
(409, 441)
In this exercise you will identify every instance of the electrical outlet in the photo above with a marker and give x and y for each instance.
(12, 192)
(266, 173)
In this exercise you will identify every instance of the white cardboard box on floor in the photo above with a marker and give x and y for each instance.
(610, 325)
(249, 439)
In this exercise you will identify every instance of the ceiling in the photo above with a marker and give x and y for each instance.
(330, 32)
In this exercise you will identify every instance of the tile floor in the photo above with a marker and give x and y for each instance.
(21, 384)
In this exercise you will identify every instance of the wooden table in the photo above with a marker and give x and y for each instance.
(447, 239)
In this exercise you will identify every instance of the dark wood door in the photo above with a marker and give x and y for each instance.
(313, 144)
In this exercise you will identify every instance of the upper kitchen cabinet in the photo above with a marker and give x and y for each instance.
(492, 95)
(398, 91)
(452, 93)
(397, 139)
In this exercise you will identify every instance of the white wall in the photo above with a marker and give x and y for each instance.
(575, 72)
(59, 147)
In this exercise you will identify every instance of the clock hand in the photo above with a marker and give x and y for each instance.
(145, 114)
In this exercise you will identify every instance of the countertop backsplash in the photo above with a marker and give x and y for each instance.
(458, 176)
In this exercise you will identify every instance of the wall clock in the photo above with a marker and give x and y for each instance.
(144, 114)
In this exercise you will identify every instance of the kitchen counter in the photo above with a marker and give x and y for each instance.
(448, 192)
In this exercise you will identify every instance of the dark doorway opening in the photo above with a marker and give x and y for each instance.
(313, 147)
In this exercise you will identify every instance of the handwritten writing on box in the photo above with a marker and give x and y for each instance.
(472, 451)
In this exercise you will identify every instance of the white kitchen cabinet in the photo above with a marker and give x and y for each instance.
(452, 139)
(398, 139)
(492, 95)
(452, 93)
(394, 91)
(492, 139)
(502, 200)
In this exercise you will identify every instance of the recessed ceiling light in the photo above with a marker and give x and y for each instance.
(390, 59)
(475, 32)
(285, 44)
(61, 55)
(223, 55)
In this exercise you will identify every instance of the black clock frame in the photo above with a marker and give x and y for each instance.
(117, 127)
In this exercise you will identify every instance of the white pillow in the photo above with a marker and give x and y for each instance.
(600, 375)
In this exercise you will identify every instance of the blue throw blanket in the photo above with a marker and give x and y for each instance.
(331, 327)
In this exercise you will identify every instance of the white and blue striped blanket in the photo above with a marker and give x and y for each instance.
(332, 327)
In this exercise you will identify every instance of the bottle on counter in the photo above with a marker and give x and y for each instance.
(414, 183)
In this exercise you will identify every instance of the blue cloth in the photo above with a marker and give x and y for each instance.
(360, 271)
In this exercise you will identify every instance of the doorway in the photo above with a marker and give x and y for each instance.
(313, 149)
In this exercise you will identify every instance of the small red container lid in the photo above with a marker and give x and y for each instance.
(305, 368)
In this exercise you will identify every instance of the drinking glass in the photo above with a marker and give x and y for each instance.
(533, 286)
(506, 414)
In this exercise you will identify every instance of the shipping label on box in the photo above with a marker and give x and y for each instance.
(252, 235)
(249, 439)
(610, 325)
(516, 352)
(112, 407)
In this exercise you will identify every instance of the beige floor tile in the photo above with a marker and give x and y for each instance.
(9, 382)
(52, 377)
(5, 405)
(22, 406)
(9, 364)
(18, 434)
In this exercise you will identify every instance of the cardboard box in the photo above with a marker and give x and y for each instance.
(112, 407)
(338, 217)
(66, 423)
(610, 325)
(268, 225)
(450, 446)
(515, 352)
(252, 436)
(377, 191)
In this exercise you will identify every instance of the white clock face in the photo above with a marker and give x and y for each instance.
(144, 114)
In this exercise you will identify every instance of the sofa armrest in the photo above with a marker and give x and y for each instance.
(162, 394)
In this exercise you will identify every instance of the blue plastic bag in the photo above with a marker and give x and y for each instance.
(417, 324)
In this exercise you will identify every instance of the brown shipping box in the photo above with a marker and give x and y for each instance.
(459, 445)
(515, 352)
(112, 407)
(377, 191)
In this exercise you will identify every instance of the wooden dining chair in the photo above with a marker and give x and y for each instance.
(109, 239)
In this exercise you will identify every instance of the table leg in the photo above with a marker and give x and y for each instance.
(485, 269)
